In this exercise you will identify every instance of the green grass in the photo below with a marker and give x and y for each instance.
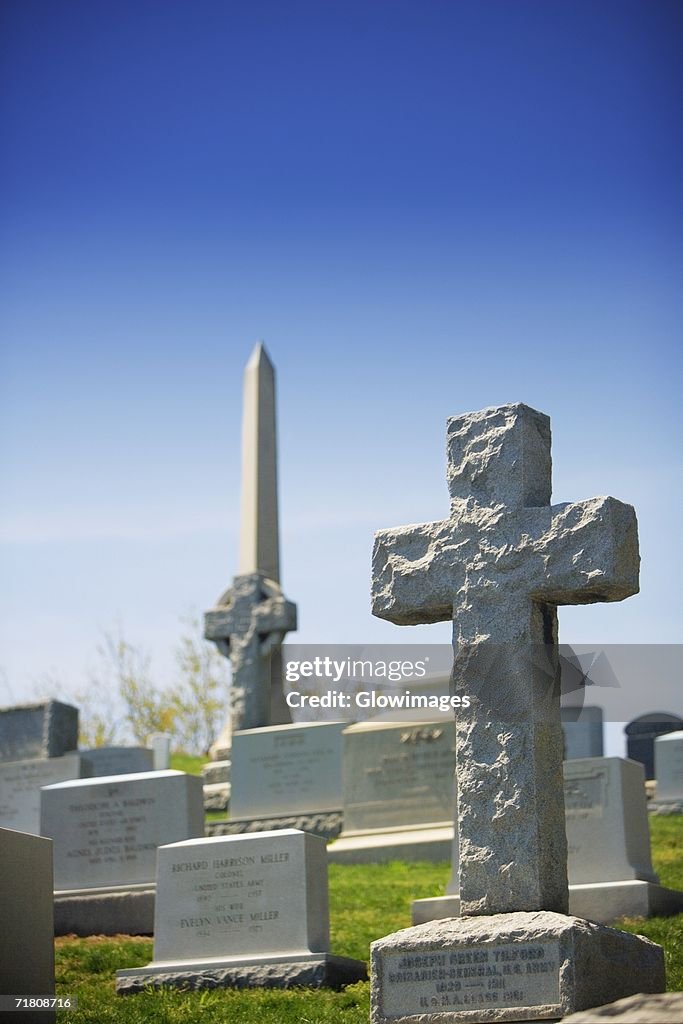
(190, 763)
(666, 831)
(366, 902)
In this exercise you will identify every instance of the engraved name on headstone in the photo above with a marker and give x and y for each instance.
(461, 978)
(106, 831)
(245, 910)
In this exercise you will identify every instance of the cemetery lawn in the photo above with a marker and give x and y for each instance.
(190, 763)
(366, 902)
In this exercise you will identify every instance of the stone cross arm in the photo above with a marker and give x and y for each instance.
(575, 553)
(589, 553)
(252, 606)
(221, 623)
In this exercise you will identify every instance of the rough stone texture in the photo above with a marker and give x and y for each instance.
(498, 567)
(45, 729)
(609, 861)
(126, 912)
(216, 779)
(27, 963)
(327, 824)
(216, 796)
(318, 971)
(215, 772)
(663, 1008)
(516, 966)
(251, 618)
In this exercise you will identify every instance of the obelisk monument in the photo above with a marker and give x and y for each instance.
(251, 618)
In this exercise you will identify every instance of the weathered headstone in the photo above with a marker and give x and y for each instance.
(243, 911)
(106, 833)
(641, 734)
(46, 728)
(251, 619)
(669, 768)
(286, 776)
(27, 962)
(21, 782)
(398, 792)
(498, 568)
(118, 760)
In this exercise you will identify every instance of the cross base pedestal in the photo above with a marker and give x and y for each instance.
(507, 967)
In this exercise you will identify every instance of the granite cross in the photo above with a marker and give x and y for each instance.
(247, 625)
(498, 567)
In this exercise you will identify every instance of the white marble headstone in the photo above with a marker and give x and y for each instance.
(160, 744)
(21, 782)
(286, 769)
(106, 831)
(608, 834)
(248, 910)
(262, 892)
(669, 767)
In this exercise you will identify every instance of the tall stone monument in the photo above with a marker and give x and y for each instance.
(252, 617)
(498, 567)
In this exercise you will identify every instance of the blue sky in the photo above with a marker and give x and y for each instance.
(422, 208)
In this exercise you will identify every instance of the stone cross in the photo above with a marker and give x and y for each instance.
(498, 567)
(252, 617)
